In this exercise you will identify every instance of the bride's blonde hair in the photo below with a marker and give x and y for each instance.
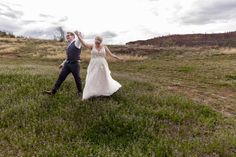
(98, 38)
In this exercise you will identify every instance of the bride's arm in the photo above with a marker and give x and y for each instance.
(90, 46)
(111, 54)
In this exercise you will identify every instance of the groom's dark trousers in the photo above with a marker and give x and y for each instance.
(71, 65)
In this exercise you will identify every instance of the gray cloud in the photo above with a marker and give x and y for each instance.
(7, 11)
(90, 36)
(9, 18)
(8, 14)
(45, 16)
(12, 21)
(210, 12)
(106, 34)
(64, 19)
(8, 25)
(46, 33)
(53, 20)
(55, 23)
(26, 22)
(155, 11)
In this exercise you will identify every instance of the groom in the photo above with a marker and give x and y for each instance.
(70, 65)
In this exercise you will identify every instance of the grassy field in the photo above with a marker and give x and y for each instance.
(179, 102)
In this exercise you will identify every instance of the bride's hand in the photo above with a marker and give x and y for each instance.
(122, 59)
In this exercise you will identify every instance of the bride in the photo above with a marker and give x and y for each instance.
(98, 80)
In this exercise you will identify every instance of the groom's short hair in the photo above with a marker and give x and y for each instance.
(71, 33)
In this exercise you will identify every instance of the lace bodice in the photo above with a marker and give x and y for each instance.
(98, 53)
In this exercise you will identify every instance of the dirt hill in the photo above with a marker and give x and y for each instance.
(220, 39)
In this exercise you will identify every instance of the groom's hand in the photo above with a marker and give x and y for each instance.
(77, 33)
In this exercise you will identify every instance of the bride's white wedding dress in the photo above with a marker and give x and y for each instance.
(98, 80)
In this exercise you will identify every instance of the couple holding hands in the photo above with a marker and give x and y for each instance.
(98, 79)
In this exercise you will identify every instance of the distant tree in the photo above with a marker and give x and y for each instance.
(59, 34)
(10, 34)
(3, 34)
(7, 34)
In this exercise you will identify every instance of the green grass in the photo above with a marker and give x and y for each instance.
(140, 120)
(185, 69)
(144, 118)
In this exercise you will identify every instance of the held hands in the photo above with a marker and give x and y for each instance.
(78, 33)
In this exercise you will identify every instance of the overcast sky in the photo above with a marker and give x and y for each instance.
(118, 21)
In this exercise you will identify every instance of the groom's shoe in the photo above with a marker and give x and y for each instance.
(49, 92)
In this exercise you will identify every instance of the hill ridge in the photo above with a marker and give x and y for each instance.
(227, 39)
